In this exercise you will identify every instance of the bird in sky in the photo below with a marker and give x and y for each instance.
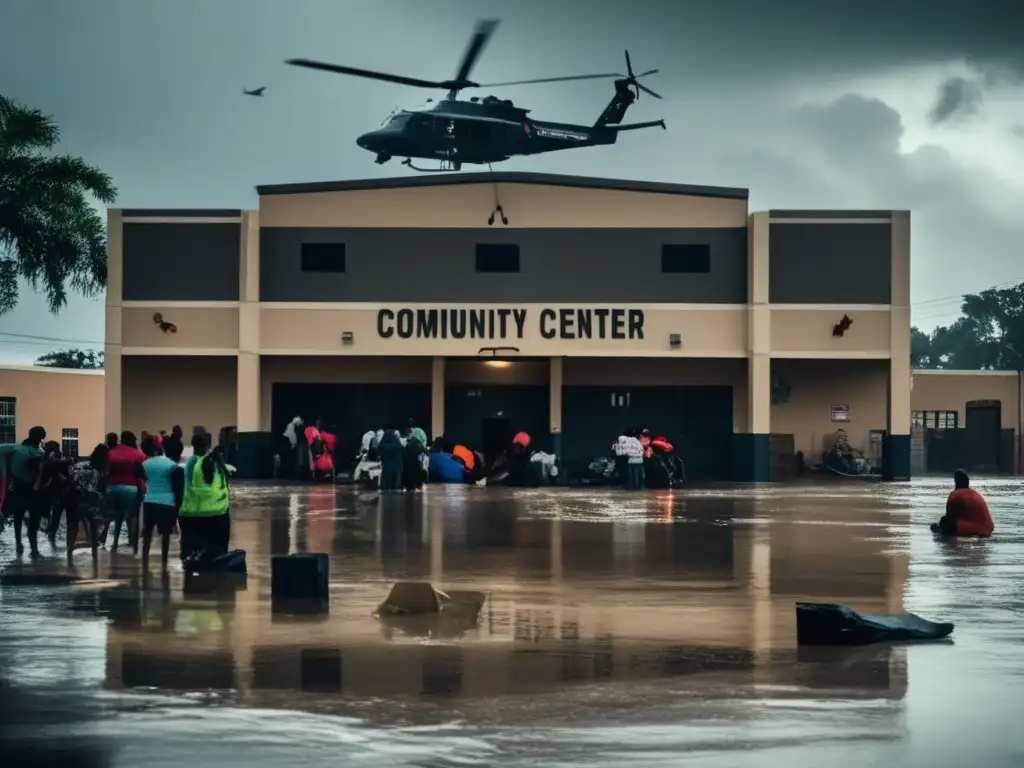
(255, 91)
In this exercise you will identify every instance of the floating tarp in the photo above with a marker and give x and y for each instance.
(830, 624)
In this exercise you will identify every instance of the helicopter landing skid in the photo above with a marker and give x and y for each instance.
(447, 166)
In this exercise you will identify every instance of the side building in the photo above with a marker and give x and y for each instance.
(600, 305)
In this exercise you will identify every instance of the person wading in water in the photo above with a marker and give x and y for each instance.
(125, 484)
(204, 517)
(165, 487)
(23, 496)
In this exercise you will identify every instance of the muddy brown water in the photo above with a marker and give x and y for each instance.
(651, 629)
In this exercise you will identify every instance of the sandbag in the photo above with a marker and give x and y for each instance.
(830, 624)
(227, 562)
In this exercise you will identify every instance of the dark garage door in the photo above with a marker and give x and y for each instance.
(354, 408)
(698, 421)
(475, 414)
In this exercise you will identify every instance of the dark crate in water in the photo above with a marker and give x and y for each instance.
(301, 577)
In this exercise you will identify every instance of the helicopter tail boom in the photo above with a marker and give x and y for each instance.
(637, 126)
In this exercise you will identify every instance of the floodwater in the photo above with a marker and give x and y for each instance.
(652, 629)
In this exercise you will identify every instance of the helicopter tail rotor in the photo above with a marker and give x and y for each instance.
(633, 78)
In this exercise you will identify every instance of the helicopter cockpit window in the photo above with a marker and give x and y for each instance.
(399, 121)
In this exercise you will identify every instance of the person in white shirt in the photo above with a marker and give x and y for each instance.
(621, 458)
(634, 450)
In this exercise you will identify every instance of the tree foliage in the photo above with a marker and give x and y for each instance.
(988, 335)
(82, 360)
(50, 233)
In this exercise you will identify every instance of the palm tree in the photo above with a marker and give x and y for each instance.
(50, 233)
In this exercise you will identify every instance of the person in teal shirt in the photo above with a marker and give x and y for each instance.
(23, 496)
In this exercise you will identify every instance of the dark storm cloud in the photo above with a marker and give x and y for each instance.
(959, 97)
(151, 91)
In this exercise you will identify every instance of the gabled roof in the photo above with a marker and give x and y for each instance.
(504, 177)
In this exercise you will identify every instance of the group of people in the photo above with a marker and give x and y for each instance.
(145, 488)
(635, 450)
(306, 452)
(400, 451)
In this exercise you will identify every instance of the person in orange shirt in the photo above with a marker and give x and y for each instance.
(966, 511)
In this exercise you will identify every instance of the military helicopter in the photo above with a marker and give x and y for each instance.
(486, 130)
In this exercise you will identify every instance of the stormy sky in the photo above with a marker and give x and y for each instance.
(906, 104)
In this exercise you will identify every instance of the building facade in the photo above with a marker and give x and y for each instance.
(68, 404)
(600, 305)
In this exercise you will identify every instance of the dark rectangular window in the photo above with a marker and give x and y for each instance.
(497, 257)
(8, 421)
(323, 257)
(688, 258)
(69, 443)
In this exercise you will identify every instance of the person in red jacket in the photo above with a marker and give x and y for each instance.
(966, 511)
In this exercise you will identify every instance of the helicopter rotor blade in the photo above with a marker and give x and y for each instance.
(645, 74)
(369, 74)
(477, 43)
(629, 66)
(606, 75)
(645, 89)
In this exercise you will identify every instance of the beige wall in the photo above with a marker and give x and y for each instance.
(163, 390)
(705, 333)
(795, 330)
(56, 399)
(817, 385)
(197, 327)
(952, 390)
(527, 205)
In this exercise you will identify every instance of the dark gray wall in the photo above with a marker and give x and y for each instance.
(830, 263)
(181, 262)
(563, 265)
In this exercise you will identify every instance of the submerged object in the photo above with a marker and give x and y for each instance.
(225, 562)
(830, 624)
(444, 468)
(301, 576)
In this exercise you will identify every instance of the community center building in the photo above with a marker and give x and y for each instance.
(481, 305)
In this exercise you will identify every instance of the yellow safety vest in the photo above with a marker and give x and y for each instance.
(204, 499)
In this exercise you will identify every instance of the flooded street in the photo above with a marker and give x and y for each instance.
(652, 629)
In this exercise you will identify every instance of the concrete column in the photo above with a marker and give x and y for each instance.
(254, 445)
(112, 346)
(752, 460)
(896, 451)
(555, 377)
(437, 398)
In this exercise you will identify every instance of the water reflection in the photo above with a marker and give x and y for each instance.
(661, 588)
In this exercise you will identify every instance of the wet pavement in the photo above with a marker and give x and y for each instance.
(652, 629)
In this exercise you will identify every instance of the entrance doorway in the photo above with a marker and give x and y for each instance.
(498, 434)
(984, 421)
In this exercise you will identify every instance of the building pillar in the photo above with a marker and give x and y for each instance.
(437, 387)
(555, 376)
(255, 450)
(751, 456)
(112, 364)
(896, 448)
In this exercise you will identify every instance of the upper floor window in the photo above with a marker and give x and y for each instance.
(8, 421)
(69, 443)
(323, 257)
(497, 257)
(686, 258)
